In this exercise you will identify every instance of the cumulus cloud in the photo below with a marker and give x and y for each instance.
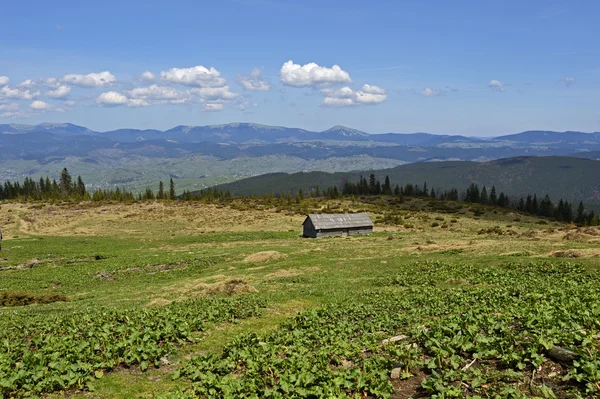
(39, 105)
(198, 76)
(3, 80)
(60, 93)
(16, 93)
(568, 80)
(312, 75)
(254, 81)
(137, 102)
(159, 93)
(213, 107)
(338, 102)
(344, 92)
(99, 79)
(28, 84)
(496, 85)
(429, 92)
(51, 82)
(112, 98)
(215, 93)
(345, 96)
(147, 76)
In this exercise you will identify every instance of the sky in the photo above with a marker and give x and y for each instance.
(479, 68)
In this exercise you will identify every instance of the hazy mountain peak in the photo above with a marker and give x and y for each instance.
(345, 131)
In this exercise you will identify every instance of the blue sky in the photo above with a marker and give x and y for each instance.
(471, 67)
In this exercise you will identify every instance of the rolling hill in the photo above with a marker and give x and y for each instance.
(573, 179)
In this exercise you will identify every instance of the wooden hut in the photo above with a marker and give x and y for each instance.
(326, 225)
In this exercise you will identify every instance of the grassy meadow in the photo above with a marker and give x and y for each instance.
(193, 299)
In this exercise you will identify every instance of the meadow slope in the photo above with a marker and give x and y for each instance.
(194, 299)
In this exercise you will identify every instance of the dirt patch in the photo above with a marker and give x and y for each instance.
(569, 253)
(410, 387)
(264, 256)
(219, 285)
(284, 273)
(231, 287)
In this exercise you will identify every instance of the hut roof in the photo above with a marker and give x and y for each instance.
(340, 221)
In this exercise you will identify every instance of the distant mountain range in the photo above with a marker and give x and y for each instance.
(251, 133)
(200, 156)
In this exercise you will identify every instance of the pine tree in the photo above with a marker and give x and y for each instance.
(493, 197)
(161, 190)
(66, 183)
(483, 197)
(172, 189)
(387, 187)
(580, 213)
(80, 187)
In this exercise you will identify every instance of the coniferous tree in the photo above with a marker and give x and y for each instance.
(161, 190)
(66, 183)
(172, 189)
(493, 197)
(483, 196)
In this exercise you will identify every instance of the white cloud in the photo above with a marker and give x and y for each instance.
(11, 114)
(364, 97)
(215, 93)
(254, 81)
(112, 98)
(496, 85)
(61, 92)
(51, 82)
(3, 80)
(28, 84)
(372, 89)
(137, 102)
(99, 79)
(344, 92)
(9, 107)
(18, 93)
(197, 76)
(338, 102)
(147, 76)
(39, 105)
(159, 93)
(213, 107)
(312, 75)
(429, 92)
(345, 96)
(568, 80)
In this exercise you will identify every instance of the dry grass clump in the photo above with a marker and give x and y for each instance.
(230, 287)
(569, 253)
(26, 298)
(284, 273)
(264, 256)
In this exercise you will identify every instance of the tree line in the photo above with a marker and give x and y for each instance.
(68, 188)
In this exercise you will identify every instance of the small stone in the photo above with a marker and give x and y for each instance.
(394, 339)
(395, 374)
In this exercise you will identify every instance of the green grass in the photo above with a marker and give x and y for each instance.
(457, 293)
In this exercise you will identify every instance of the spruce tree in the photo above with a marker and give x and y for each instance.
(66, 183)
(161, 191)
(172, 189)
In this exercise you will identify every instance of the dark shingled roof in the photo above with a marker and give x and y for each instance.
(340, 221)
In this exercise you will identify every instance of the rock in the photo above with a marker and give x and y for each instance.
(562, 355)
(395, 374)
(33, 262)
(102, 275)
(164, 360)
(394, 339)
